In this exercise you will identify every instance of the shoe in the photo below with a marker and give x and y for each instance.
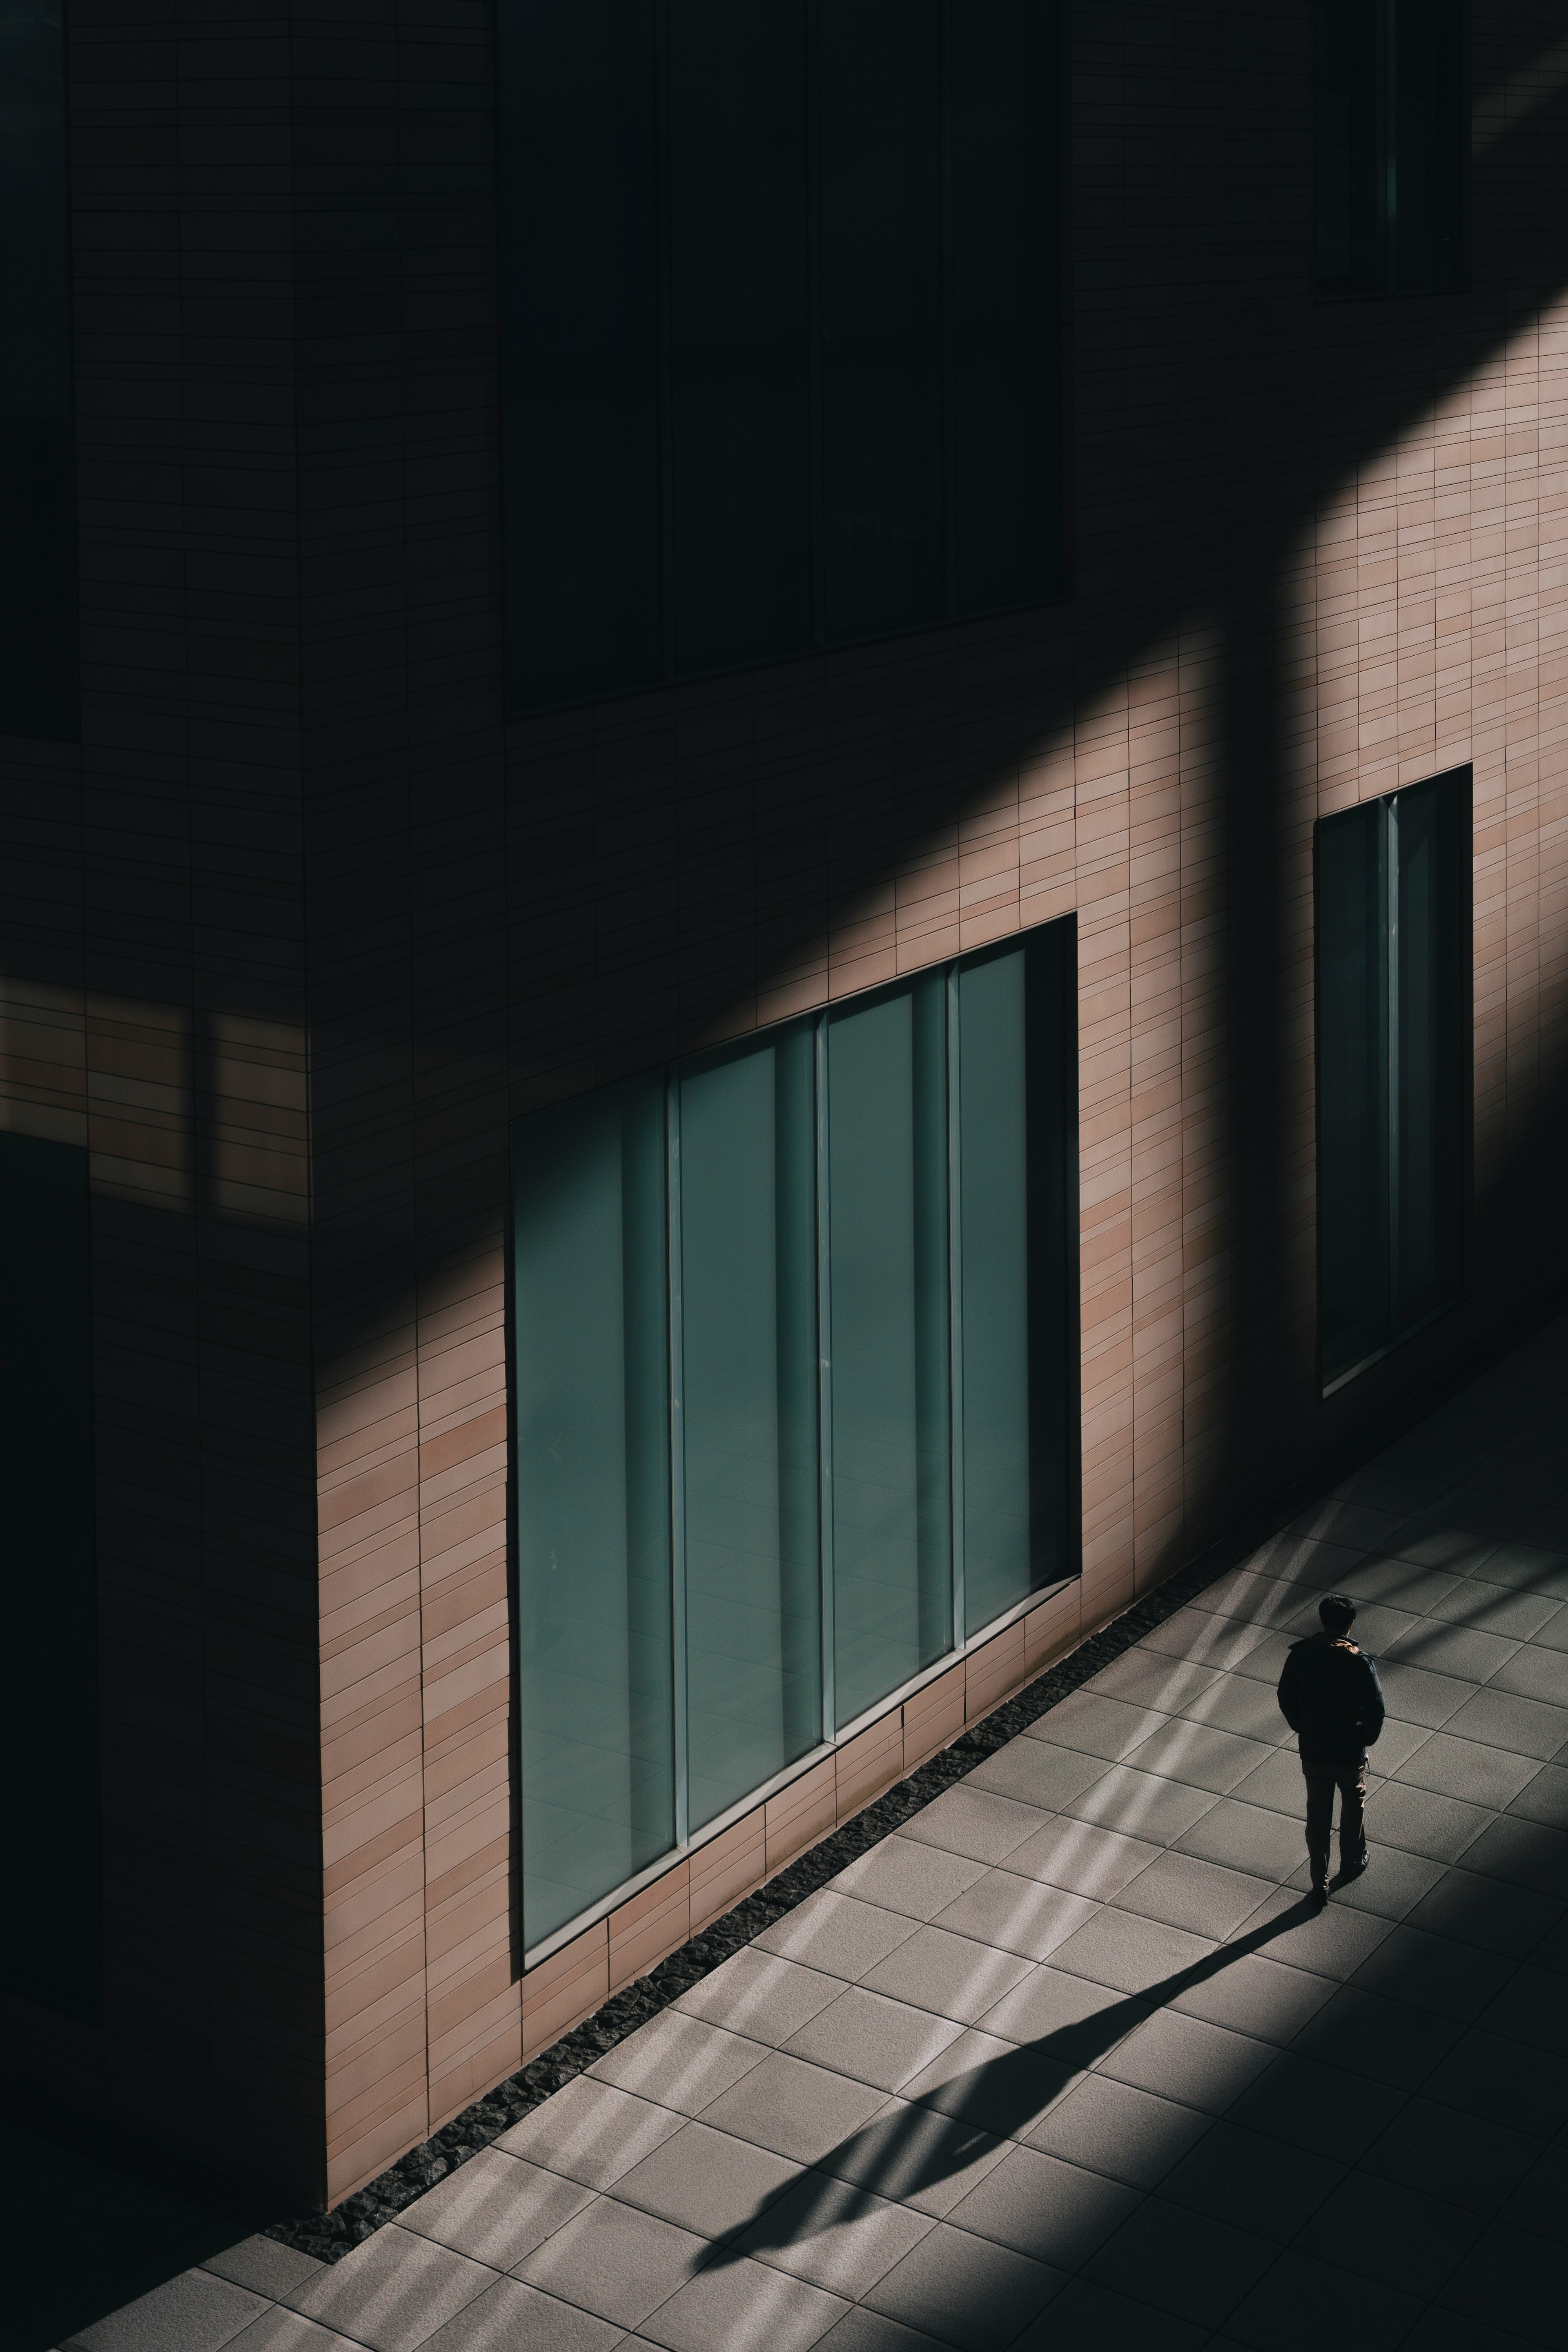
(1354, 1868)
(1317, 1895)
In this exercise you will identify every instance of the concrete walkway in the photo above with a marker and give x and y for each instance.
(1069, 2063)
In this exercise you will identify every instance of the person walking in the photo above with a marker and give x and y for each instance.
(1333, 1700)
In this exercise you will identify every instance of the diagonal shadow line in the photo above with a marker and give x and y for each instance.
(929, 2143)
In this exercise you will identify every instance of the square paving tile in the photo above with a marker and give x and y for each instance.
(1260, 1598)
(1486, 1912)
(836, 1934)
(1301, 2304)
(1082, 1859)
(1266, 1664)
(590, 2131)
(193, 2313)
(1276, 1783)
(1036, 1773)
(1531, 2008)
(1264, 2185)
(840, 2237)
(1110, 2127)
(998, 2087)
(1132, 1954)
(1181, 2058)
(795, 2109)
(1534, 1558)
(1452, 1650)
(1199, 1754)
(1482, 2075)
(923, 2158)
(1098, 1726)
(708, 2181)
(1016, 1915)
(1534, 1673)
(1318, 2108)
(1247, 1838)
(1420, 1822)
(1387, 2231)
(1183, 1891)
(1435, 1972)
(743, 2306)
(495, 2208)
(1041, 2206)
(614, 2260)
(394, 2290)
(279, 2330)
(1392, 1885)
(1182, 2261)
(903, 1875)
(972, 1821)
(678, 2062)
(1248, 1710)
(952, 1976)
(964, 2290)
(1255, 1995)
(1540, 2203)
(1141, 1804)
(1525, 1854)
(860, 2330)
(1486, 1609)
(512, 2316)
(1331, 1942)
(1069, 2017)
(1401, 1584)
(1447, 2154)
(1089, 2319)
(759, 1996)
(1513, 2280)
(872, 2039)
(1415, 1695)
(1489, 1776)
(1502, 1719)
(1200, 1637)
(1364, 2034)
(1149, 1678)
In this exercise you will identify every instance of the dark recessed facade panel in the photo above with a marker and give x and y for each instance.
(781, 297)
(1393, 123)
(37, 502)
(49, 1725)
(794, 1339)
(1393, 1067)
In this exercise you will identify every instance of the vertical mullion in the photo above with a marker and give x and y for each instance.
(663, 316)
(955, 1309)
(825, 1386)
(1391, 1049)
(676, 1465)
(949, 455)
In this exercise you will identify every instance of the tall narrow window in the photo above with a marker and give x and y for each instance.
(794, 1334)
(1393, 91)
(37, 519)
(49, 1725)
(780, 315)
(1394, 955)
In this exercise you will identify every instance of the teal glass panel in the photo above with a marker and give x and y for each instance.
(993, 1284)
(879, 150)
(1432, 839)
(1393, 108)
(1005, 112)
(1429, 69)
(1353, 1304)
(38, 511)
(49, 1725)
(749, 1407)
(739, 322)
(888, 1346)
(580, 336)
(1352, 150)
(593, 1499)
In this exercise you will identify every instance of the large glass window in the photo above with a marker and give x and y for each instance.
(780, 315)
(1393, 118)
(49, 1725)
(38, 539)
(1393, 1059)
(793, 1389)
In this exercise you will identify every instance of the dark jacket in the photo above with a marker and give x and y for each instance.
(1330, 1697)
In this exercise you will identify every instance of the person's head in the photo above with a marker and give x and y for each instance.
(1337, 1612)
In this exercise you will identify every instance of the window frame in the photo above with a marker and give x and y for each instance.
(1390, 290)
(1458, 780)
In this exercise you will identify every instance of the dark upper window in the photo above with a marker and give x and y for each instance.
(37, 542)
(1393, 1063)
(1394, 89)
(780, 326)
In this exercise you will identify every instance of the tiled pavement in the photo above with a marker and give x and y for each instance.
(1067, 2062)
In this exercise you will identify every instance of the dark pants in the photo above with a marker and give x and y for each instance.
(1323, 1776)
